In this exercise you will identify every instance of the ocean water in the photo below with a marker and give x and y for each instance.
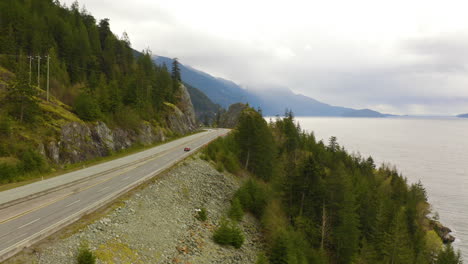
(433, 150)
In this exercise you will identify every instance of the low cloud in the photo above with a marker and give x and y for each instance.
(399, 67)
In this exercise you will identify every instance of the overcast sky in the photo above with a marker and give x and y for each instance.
(399, 56)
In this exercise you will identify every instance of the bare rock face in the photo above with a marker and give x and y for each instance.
(103, 135)
(146, 135)
(53, 152)
(178, 122)
(78, 144)
(182, 119)
(186, 106)
(123, 138)
(80, 141)
(231, 117)
(443, 232)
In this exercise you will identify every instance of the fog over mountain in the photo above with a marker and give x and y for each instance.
(271, 101)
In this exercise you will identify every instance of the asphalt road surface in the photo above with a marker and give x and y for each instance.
(31, 213)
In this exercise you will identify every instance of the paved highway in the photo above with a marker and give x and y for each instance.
(33, 212)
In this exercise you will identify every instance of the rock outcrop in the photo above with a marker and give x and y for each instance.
(181, 118)
(230, 118)
(79, 141)
(443, 232)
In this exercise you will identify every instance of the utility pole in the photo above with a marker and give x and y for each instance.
(38, 71)
(30, 64)
(48, 60)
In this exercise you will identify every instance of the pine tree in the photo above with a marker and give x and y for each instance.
(449, 256)
(235, 212)
(22, 96)
(398, 248)
(176, 77)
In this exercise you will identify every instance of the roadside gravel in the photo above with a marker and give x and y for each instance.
(157, 224)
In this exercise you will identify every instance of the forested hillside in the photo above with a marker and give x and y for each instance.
(102, 97)
(86, 59)
(319, 204)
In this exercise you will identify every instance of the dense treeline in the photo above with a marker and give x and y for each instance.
(91, 68)
(94, 72)
(319, 204)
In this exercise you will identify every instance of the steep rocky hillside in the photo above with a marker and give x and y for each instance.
(61, 137)
(78, 141)
(230, 118)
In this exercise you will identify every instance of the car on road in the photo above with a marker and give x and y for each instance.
(186, 149)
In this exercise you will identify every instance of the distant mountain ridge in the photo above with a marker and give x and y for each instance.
(463, 115)
(272, 102)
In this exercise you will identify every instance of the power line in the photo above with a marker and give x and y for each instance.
(48, 60)
(30, 65)
(38, 71)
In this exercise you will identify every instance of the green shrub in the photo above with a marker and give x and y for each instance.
(204, 157)
(228, 234)
(223, 152)
(229, 161)
(5, 126)
(219, 166)
(237, 238)
(7, 172)
(127, 118)
(202, 214)
(235, 212)
(31, 161)
(262, 259)
(86, 107)
(85, 256)
(253, 197)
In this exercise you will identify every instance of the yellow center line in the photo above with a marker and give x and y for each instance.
(74, 192)
(143, 162)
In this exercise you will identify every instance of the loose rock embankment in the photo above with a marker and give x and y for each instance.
(157, 224)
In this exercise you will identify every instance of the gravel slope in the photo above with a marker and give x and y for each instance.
(157, 224)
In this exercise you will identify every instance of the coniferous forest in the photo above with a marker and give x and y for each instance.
(89, 65)
(88, 70)
(319, 204)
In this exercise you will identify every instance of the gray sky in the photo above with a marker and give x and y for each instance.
(399, 56)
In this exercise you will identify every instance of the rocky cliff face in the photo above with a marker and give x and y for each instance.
(80, 141)
(181, 118)
(230, 118)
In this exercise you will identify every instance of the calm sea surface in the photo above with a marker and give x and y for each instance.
(433, 150)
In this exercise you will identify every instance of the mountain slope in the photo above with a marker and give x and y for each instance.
(205, 109)
(272, 102)
(363, 113)
(220, 91)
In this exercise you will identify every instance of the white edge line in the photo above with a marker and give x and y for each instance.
(93, 206)
(29, 223)
(73, 203)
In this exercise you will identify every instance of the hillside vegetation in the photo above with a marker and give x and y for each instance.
(319, 204)
(94, 75)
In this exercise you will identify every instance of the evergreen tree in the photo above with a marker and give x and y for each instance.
(235, 212)
(22, 96)
(449, 256)
(176, 77)
(256, 145)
